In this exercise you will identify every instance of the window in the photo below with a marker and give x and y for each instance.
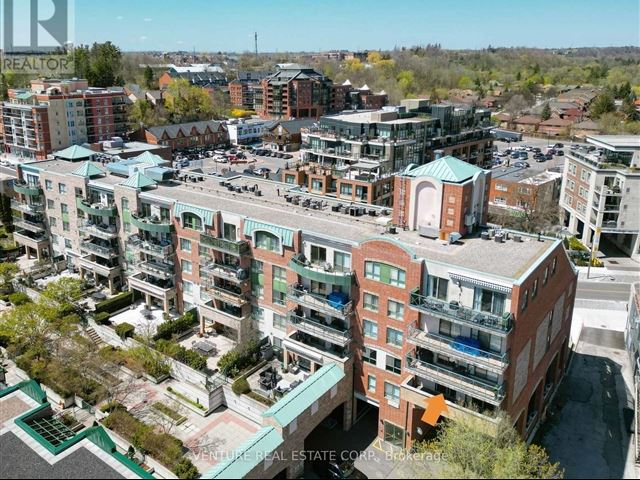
(67, 243)
(393, 365)
(500, 201)
(229, 232)
(394, 337)
(316, 184)
(371, 383)
(392, 393)
(341, 262)
(534, 289)
(449, 329)
(279, 321)
(52, 221)
(48, 185)
(370, 302)
(502, 187)
(583, 192)
(194, 222)
(65, 226)
(318, 254)
(187, 266)
(185, 245)
(125, 204)
(187, 288)
(525, 301)
(554, 266)
(369, 355)
(585, 175)
(51, 204)
(64, 208)
(395, 310)
(438, 288)
(384, 273)
(489, 301)
(267, 241)
(62, 188)
(370, 329)
(346, 189)
(279, 298)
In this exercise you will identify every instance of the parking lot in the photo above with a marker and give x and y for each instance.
(543, 144)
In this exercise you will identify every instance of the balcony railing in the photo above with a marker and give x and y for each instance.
(100, 269)
(35, 227)
(482, 389)
(456, 347)
(210, 269)
(337, 336)
(229, 296)
(31, 208)
(98, 209)
(33, 190)
(33, 240)
(151, 224)
(100, 250)
(321, 303)
(99, 231)
(160, 250)
(233, 247)
(321, 273)
(157, 269)
(310, 346)
(501, 325)
(157, 289)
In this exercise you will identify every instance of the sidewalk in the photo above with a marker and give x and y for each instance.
(605, 274)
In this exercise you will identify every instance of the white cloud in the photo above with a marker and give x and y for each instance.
(119, 17)
(143, 38)
(148, 19)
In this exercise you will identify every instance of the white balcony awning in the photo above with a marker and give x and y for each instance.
(481, 283)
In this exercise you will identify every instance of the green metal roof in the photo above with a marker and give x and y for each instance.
(285, 234)
(203, 213)
(88, 169)
(152, 159)
(24, 96)
(138, 180)
(75, 152)
(303, 396)
(248, 455)
(445, 169)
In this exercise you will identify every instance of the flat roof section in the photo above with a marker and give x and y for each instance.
(623, 143)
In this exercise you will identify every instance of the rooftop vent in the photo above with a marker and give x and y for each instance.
(485, 236)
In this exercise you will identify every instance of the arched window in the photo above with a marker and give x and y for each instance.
(192, 221)
(267, 241)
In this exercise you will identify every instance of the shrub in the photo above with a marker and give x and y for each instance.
(189, 357)
(102, 318)
(235, 361)
(116, 303)
(125, 330)
(175, 327)
(110, 407)
(186, 469)
(241, 386)
(19, 298)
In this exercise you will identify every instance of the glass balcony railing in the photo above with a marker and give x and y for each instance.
(501, 325)
(233, 247)
(233, 297)
(210, 269)
(30, 225)
(31, 208)
(151, 224)
(105, 232)
(338, 335)
(321, 303)
(160, 249)
(323, 273)
(103, 251)
(97, 209)
(157, 269)
(33, 190)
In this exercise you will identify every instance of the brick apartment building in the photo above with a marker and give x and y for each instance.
(55, 114)
(515, 189)
(187, 135)
(246, 91)
(201, 75)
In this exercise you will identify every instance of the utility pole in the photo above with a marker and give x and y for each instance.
(255, 36)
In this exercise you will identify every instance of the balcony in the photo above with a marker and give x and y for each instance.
(35, 227)
(102, 251)
(104, 232)
(321, 273)
(210, 269)
(151, 224)
(157, 269)
(30, 239)
(320, 303)
(458, 348)
(233, 247)
(30, 208)
(228, 296)
(98, 209)
(93, 266)
(159, 289)
(500, 325)
(337, 335)
(25, 188)
(157, 249)
(312, 348)
(226, 316)
(484, 390)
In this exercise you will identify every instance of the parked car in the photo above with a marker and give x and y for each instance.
(522, 164)
(559, 153)
(541, 158)
(287, 156)
(248, 171)
(524, 155)
(262, 171)
(334, 470)
(558, 145)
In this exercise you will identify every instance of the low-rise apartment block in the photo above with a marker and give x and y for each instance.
(246, 91)
(600, 192)
(187, 135)
(517, 189)
(201, 75)
(55, 114)
(249, 131)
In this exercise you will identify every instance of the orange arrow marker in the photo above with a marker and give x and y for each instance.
(435, 406)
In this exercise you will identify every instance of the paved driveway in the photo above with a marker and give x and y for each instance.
(588, 427)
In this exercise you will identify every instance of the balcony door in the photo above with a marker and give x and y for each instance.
(393, 435)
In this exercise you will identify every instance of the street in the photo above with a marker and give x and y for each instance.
(613, 291)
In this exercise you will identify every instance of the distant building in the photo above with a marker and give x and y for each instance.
(601, 192)
(286, 136)
(585, 128)
(246, 91)
(55, 114)
(246, 132)
(526, 123)
(187, 135)
(555, 127)
(517, 188)
(200, 75)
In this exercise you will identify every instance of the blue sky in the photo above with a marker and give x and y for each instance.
(296, 25)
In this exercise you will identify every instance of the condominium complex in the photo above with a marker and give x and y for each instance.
(601, 192)
(55, 114)
(202, 75)
(246, 91)
(379, 315)
(516, 189)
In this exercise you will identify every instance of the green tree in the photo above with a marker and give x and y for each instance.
(473, 451)
(106, 65)
(8, 271)
(82, 62)
(7, 81)
(63, 294)
(546, 112)
(149, 77)
(144, 113)
(629, 109)
(187, 103)
(604, 103)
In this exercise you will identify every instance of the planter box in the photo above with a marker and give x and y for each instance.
(154, 379)
(130, 372)
(57, 399)
(202, 412)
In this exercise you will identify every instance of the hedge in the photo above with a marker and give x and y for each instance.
(235, 361)
(189, 357)
(102, 318)
(166, 330)
(19, 298)
(165, 448)
(241, 386)
(125, 330)
(116, 303)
